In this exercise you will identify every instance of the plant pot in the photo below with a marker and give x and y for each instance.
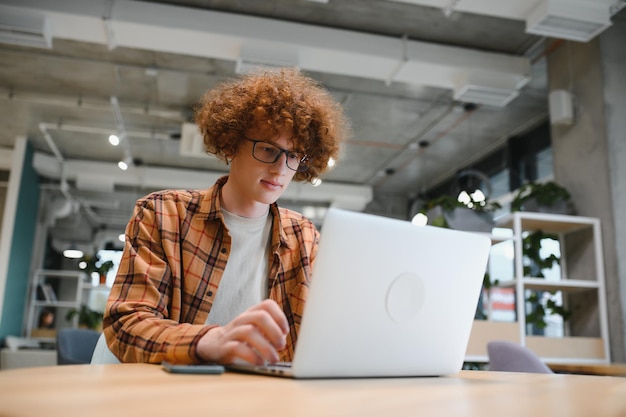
(103, 279)
(464, 219)
(560, 207)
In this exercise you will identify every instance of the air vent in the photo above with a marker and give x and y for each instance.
(490, 96)
(24, 28)
(573, 20)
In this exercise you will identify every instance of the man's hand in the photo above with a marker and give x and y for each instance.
(255, 336)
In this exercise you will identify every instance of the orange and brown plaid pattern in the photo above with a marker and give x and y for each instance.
(176, 250)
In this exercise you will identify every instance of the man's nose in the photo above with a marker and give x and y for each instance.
(281, 163)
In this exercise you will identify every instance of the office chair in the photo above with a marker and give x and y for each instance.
(101, 354)
(512, 357)
(75, 346)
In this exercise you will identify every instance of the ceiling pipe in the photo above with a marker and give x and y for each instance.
(53, 147)
(102, 131)
(450, 7)
(452, 117)
(498, 143)
(61, 164)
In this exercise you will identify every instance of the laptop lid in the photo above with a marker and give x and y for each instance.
(388, 299)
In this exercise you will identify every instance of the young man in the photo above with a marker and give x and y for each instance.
(222, 274)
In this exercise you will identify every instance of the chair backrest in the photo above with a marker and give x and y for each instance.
(75, 346)
(102, 354)
(512, 357)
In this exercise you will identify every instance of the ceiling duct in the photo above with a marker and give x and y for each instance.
(576, 20)
(24, 27)
(252, 57)
(346, 196)
(480, 89)
(252, 42)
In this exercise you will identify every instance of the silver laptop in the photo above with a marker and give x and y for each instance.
(387, 299)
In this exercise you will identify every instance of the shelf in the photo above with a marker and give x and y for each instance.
(53, 292)
(53, 273)
(67, 304)
(580, 238)
(563, 285)
(95, 287)
(565, 349)
(549, 223)
(543, 285)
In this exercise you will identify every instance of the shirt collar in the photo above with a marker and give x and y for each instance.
(212, 207)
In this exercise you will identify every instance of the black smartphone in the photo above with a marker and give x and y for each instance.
(193, 369)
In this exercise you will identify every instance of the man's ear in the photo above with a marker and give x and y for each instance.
(228, 157)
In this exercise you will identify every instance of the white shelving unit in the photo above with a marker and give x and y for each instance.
(58, 291)
(582, 280)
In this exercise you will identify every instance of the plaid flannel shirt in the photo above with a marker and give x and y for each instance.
(176, 250)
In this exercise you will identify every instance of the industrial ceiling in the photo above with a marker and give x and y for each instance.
(72, 72)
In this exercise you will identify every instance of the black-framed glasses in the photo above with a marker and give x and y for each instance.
(269, 153)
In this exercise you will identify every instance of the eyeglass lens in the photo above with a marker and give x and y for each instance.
(268, 153)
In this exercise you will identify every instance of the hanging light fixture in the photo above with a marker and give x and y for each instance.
(73, 252)
(122, 137)
(473, 187)
(125, 163)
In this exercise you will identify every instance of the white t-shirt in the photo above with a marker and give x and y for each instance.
(244, 282)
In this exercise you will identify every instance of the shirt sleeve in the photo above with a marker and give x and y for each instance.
(142, 318)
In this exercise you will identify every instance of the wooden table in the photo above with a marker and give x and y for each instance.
(609, 369)
(145, 390)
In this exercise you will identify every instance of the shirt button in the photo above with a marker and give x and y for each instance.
(210, 293)
(223, 250)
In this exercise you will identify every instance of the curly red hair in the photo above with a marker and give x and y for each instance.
(272, 101)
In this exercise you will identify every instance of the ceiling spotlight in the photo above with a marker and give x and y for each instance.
(114, 140)
(316, 182)
(125, 163)
(473, 186)
(73, 252)
(331, 162)
(121, 237)
(468, 107)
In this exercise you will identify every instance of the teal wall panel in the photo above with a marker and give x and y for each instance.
(18, 271)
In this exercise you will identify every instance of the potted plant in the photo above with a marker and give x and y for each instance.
(541, 306)
(87, 318)
(544, 197)
(471, 215)
(91, 264)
